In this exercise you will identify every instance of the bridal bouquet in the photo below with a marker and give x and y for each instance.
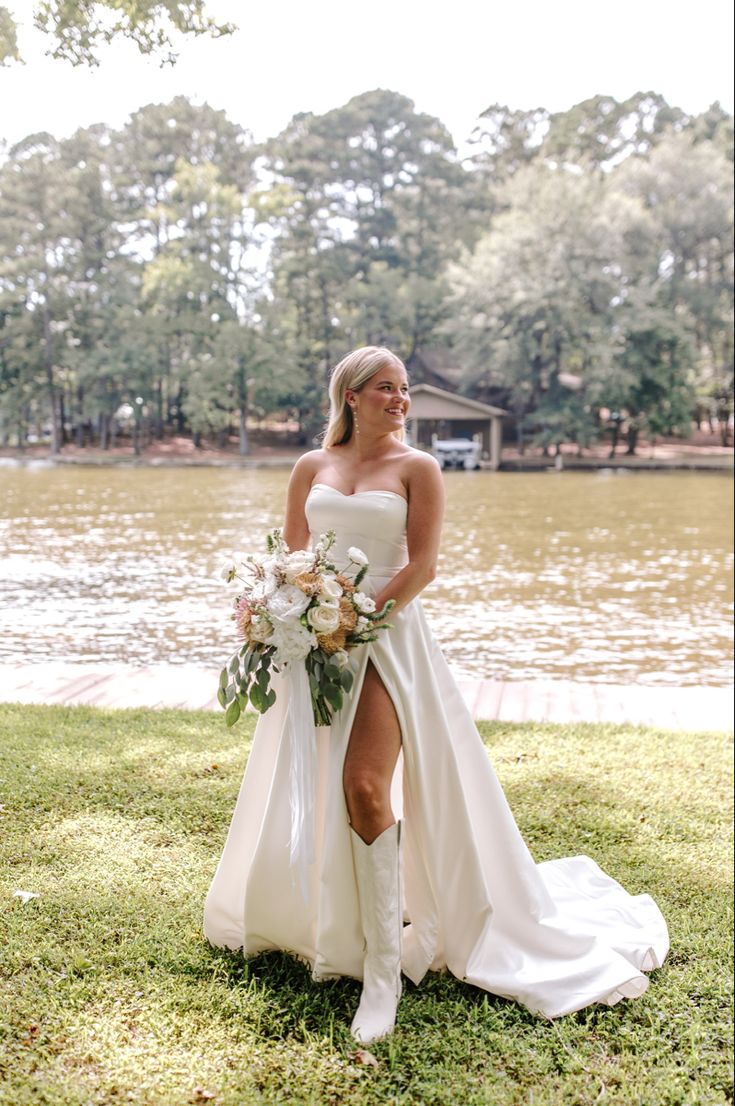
(297, 609)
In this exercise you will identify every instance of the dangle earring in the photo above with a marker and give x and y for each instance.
(353, 408)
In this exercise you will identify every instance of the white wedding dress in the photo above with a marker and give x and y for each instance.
(555, 936)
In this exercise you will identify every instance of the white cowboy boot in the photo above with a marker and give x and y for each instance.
(378, 871)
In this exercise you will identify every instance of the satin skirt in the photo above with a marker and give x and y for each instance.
(556, 936)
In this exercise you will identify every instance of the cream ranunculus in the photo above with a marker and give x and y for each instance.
(363, 602)
(301, 560)
(330, 588)
(228, 572)
(323, 618)
(357, 556)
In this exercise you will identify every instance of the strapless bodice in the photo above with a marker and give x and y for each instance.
(374, 521)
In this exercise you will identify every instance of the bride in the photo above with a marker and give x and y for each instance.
(450, 882)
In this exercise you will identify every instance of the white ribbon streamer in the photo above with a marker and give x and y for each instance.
(301, 737)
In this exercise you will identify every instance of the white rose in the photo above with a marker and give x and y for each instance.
(293, 641)
(260, 629)
(330, 587)
(340, 658)
(363, 602)
(323, 619)
(301, 560)
(287, 602)
(357, 556)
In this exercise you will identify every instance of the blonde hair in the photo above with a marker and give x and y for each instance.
(352, 372)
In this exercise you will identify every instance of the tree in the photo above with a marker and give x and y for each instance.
(654, 389)
(367, 209)
(33, 275)
(78, 28)
(603, 131)
(533, 306)
(684, 185)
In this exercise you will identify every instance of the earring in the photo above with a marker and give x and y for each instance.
(354, 417)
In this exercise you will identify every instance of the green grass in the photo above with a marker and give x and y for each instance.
(110, 994)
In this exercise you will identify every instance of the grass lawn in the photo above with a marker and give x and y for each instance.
(110, 994)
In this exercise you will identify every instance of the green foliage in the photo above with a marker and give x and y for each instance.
(8, 38)
(172, 277)
(111, 994)
(78, 28)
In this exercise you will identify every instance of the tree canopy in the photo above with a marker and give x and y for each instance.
(174, 275)
(77, 29)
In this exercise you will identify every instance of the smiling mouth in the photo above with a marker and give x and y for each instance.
(395, 411)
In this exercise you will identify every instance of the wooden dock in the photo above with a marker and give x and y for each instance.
(194, 688)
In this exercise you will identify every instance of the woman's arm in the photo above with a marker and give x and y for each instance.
(423, 533)
(295, 527)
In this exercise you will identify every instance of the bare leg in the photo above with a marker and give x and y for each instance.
(373, 749)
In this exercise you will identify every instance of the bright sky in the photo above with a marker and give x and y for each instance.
(453, 60)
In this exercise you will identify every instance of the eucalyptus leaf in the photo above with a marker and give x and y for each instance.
(347, 679)
(233, 713)
(257, 698)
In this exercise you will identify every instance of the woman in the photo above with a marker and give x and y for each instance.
(555, 936)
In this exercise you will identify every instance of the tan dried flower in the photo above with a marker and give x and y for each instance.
(347, 615)
(346, 583)
(332, 643)
(308, 582)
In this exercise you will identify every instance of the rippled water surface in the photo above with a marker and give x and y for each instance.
(606, 576)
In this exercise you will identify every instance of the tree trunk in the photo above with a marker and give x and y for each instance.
(53, 391)
(104, 431)
(242, 396)
(632, 438)
(180, 420)
(615, 436)
(197, 439)
(158, 430)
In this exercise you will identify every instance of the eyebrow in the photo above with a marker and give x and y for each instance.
(381, 382)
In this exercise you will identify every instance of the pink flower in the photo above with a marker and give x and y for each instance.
(243, 616)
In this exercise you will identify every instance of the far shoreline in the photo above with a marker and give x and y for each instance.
(722, 462)
(702, 452)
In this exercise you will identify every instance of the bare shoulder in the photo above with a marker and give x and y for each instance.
(422, 473)
(308, 465)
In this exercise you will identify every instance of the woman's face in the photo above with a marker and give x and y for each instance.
(383, 401)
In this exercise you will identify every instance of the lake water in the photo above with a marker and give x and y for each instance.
(605, 576)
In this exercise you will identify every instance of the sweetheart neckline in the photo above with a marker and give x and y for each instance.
(350, 495)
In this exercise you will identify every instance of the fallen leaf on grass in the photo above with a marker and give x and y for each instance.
(201, 1094)
(362, 1056)
(25, 896)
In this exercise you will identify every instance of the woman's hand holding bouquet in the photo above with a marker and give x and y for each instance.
(297, 608)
